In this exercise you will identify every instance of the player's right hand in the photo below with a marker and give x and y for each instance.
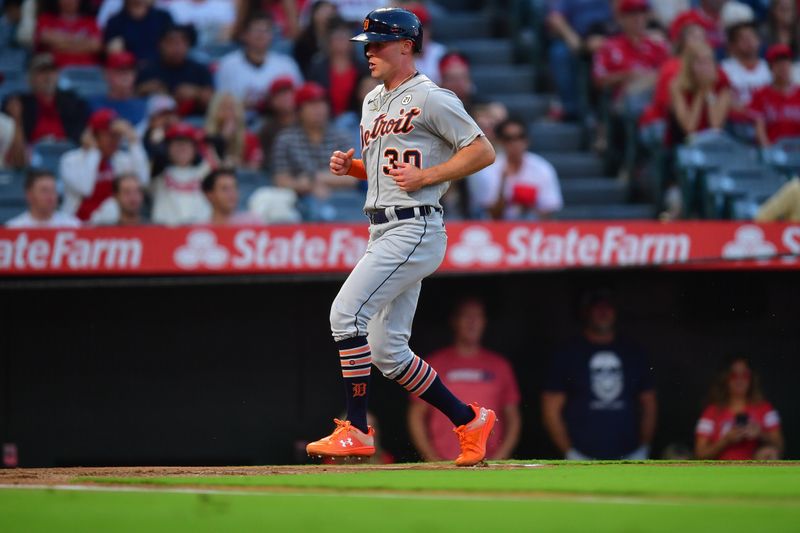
(341, 161)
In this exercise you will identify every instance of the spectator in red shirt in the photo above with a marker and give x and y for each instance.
(628, 63)
(700, 98)
(472, 371)
(777, 106)
(783, 25)
(337, 69)
(738, 424)
(69, 33)
(225, 125)
(47, 112)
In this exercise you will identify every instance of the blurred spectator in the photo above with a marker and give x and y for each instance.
(783, 205)
(47, 112)
(175, 73)
(137, 28)
(222, 192)
(42, 197)
(177, 195)
(782, 25)
(708, 15)
(65, 29)
(456, 76)
(355, 10)
(225, 125)
(124, 207)
(488, 117)
(161, 115)
(9, 22)
(470, 371)
(700, 98)
(627, 64)
(745, 70)
(301, 153)
(88, 172)
(314, 34)
(13, 152)
(338, 70)
(120, 74)
(777, 106)
(280, 112)
(519, 184)
(738, 424)
(213, 19)
(247, 73)
(284, 13)
(432, 53)
(579, 28)
(599, 400)
(666, 11)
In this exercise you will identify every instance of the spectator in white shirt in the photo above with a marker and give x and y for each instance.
(519, 184)
(746, 71)
(248, 73)
(222, 192)
(213, 19)
(88, 171)
(42, 198)
(427, 61)
(124, 208)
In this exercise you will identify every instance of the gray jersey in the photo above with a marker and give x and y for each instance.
(419, 123)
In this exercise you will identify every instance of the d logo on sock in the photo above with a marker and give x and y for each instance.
(359, 389)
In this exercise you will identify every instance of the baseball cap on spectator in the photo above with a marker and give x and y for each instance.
(687, 18)
(160, 103)
(421, 12)
(121, 60)
(776, 52)
(42, 62)
(309, 92)
(282, 83)
(181, 130)
(452, 58)
(102, 119)
(633, 6)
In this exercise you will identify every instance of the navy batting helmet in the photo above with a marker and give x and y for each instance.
(391, 24)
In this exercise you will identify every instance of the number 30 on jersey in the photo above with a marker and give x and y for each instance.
(410, 155)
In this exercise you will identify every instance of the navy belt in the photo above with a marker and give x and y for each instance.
(401, 213)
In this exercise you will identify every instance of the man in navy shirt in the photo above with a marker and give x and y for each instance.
(185, 79)
(599, 400)
(120, 73)
(137, 29)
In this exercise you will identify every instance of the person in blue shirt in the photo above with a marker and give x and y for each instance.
(599, 399)
(137, 28)
(120, 74)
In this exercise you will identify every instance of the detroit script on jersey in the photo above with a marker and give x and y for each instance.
(418, 123)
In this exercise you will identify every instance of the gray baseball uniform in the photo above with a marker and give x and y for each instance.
(424, 125)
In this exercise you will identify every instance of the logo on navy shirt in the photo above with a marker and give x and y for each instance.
(605, 371)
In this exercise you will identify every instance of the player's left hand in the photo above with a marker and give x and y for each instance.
(408, 177)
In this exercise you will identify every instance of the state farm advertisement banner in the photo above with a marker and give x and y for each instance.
(335, 248)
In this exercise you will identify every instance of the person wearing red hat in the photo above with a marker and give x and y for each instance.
(432, 51)
(69, 33)
(707, 14)
(120, 75)
(88, 172)
(777, 106)
(280, 112)
(301, 153)
(629, 62)
(177, 195)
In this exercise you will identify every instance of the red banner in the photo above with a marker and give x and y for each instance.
(335, 248)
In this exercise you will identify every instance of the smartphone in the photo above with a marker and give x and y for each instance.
(742, 419)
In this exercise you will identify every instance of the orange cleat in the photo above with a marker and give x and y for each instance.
(345, 441)
(472, 437)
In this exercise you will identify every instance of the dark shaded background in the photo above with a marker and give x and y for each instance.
(233, 372)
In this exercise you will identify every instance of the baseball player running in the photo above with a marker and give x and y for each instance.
(415, 138)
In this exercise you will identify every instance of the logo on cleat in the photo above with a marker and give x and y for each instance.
(346, 442)
(483, 415)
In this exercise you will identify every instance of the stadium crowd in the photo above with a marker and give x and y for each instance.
(95, 92)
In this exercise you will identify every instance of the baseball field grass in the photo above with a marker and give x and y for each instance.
(510, 496)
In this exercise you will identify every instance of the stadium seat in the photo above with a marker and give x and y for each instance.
(196, 121)
(348, 206)
(784, 156)
(46, 153)
(212, 52)
(257, 178)
(546, 136)
(13, 59)
(724, 188)
(84, 80)
(14, 81)
(12, 190)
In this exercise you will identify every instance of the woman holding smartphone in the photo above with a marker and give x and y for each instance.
(738, 424)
